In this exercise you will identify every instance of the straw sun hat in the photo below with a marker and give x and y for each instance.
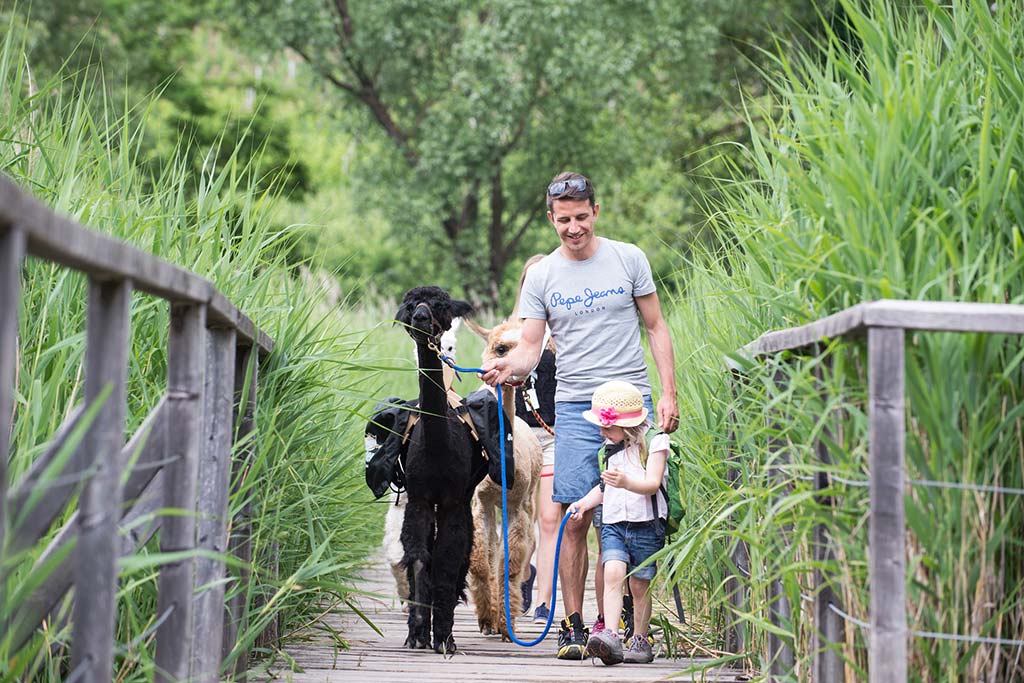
(616, 403)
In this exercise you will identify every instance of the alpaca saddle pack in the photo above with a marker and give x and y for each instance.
(388, 431)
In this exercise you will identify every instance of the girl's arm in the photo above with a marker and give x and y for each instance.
(646, 486)
(587, 502)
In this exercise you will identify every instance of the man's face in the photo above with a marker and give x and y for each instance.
(574, 222)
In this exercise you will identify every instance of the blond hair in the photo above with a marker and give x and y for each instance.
(533, 260)
(637, 436)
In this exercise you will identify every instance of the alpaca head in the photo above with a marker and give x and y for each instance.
(427, 313)
(501, 339)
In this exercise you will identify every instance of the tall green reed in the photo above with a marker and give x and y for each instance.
(886, 167)
(313, 522)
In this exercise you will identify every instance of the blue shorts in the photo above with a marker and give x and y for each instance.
(576, 444)
(632, 543)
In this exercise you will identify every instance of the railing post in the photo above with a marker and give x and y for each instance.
(735, 587)
(186, 369)
(211, 526)
(829, 628)
(780, 649)
(887, 656)
(236, 614)
(106, 370)
(12, 254)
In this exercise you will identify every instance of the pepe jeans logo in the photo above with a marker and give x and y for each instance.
(586, 299)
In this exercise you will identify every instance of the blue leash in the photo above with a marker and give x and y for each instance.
(504, 524)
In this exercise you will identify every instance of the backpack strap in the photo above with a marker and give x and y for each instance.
(649, 437)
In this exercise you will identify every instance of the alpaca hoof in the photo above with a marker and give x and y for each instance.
(414, 643)
(446, 646)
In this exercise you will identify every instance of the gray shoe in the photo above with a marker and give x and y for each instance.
(606, 646)
(639, 652)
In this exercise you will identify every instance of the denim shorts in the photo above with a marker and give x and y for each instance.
(576, 444)
(632, 543)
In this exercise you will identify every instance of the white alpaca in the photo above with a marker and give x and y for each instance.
(393, 550)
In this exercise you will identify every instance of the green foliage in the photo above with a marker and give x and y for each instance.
(313, 522)
(888, 170)
(480, 103)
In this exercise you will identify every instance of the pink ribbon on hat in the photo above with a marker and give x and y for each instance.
(609, 415)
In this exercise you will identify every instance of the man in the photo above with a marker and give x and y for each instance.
(592, 292)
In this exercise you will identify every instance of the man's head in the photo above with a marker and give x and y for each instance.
(570, 185)
(572, 210)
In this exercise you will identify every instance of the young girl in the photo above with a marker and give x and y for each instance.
(632, 529)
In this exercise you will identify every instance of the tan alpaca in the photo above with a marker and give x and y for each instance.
(486, 568)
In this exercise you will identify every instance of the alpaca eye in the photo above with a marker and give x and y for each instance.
(501, 349)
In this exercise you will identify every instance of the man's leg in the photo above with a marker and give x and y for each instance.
(573, 562)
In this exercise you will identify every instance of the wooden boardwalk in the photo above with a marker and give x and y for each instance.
(480, 658)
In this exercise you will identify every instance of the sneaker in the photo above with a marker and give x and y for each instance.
(572, 637)
(528, 590)
(605, 646)
(540, 615)
(598, 625)
(639, 652)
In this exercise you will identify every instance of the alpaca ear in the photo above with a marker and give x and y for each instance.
(461, 309)
(455, 325)
(480, 331)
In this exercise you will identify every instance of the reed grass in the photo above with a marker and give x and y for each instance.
(314, 520)
(887, 166)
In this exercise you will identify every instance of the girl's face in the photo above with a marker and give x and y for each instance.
(613, 433)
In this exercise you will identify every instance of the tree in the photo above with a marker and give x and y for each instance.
(482, 102)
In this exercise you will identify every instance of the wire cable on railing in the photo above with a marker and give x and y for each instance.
(983, 488)
(987, 640)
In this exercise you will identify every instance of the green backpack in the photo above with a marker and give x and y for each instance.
(675, 494)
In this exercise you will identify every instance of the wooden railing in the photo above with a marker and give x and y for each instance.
(883, 324)
(185, 462)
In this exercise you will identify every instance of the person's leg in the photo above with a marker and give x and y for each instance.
(614, 574)
(549, 516)
(573, 563)
(641, 605)
(599, 571)
(576, 473)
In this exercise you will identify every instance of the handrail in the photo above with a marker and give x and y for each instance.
(884, 323)
(213, 359)
(59, 239)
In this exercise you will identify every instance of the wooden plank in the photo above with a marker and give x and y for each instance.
(12, 253)
(735, 584)
(62, 240)
(946, 316)
(887, 656)
(936, 316)
(829, 628)
(240, 543)
(781, 660)
(384, 659)
(106, 370)
(186, 360)
(212, 508)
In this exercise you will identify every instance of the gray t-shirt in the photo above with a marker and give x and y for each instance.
(593, 318)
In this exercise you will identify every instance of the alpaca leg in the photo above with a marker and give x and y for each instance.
(393, 550)
(480, 568)
(417, 534)
(520, 548)
(451, 546)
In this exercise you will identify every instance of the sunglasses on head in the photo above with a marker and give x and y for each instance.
(560, 187)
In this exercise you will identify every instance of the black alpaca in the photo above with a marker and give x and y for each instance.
(443, 467)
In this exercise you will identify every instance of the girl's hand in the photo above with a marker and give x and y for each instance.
(616, 478)
(576, 510)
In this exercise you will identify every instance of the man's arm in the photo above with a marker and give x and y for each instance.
(521, 360)
(664, 359)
